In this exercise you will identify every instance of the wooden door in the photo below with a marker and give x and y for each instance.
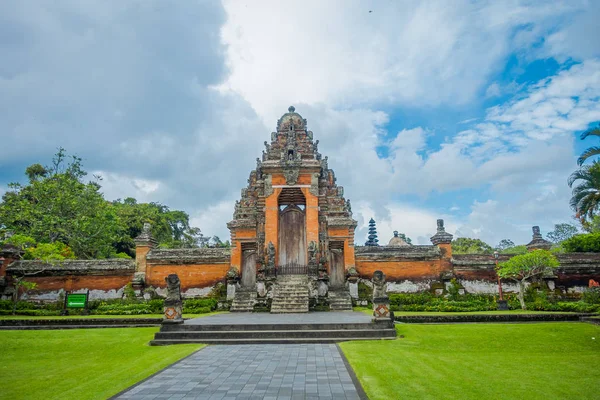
(292, 236)
(248, 268)
(336, 269)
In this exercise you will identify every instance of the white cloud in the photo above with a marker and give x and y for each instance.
(337, 53)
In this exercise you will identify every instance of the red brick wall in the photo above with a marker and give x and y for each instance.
(191, 275)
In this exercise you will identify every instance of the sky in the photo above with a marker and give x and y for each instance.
(461, 110)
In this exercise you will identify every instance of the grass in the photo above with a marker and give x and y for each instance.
(481, 361)
(397, 313)
(80, 363)
(105, 316)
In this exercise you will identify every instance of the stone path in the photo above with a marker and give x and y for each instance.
(270, 372)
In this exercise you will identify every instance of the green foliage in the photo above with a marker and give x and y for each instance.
(470, 246)
(585, 199)
(584, 243)
(520, 249)
(171, 228)
(592, 225)
(365, 292)
(57, 206)
(525, 266)
(562, 232)
(505, 244)
(591, 295)
(129, 292)
(590, 151)
(454, 289)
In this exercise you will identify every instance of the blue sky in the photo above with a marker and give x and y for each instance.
(468, 111)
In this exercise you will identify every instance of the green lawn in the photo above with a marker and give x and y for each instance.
(105, 316)
(80, 363)
(481, 361)
(403, 313)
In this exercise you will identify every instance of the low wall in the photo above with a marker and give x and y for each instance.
(105, 279)
(198, 269)
(414, 263)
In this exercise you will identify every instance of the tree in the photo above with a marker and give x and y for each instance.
(405, 238)
(505, 244)
(171, 228)
(523, 267)
(58, 206)
(216, 241)
(585, 199)
(590, 151)
(587, 243)
(372, 238)
(591, 226)
(470, 246)
(46, 252)
(561, 232)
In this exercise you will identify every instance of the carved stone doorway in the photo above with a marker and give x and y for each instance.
(248, 265)
(292, 227)
(337, 273)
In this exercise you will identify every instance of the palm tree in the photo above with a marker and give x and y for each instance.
(592, 151)
(586, 195)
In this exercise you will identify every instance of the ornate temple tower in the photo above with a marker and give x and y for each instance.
(292, 214)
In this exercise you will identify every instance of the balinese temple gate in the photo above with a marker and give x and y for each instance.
(292, 231)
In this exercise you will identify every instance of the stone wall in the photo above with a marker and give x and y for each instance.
(104, 279)
(412, 263)
(198, 269)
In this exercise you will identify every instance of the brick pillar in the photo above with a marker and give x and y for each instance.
(143, 244)
(443, 240)
(272, 219)
(312, 216)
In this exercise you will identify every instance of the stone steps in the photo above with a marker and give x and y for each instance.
(273, 333)
(162, 342)
(339, 300)
(290, 294)
(243, 301)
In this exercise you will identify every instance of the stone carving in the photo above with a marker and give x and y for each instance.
(441, 237)
(379, 285)
(268, 185)
(536, 231)
(314, 184)
(349, 207)
(267, 146)
(291, 175)
(271, 257)
(258, 168)
(173, 304)
(312, 258)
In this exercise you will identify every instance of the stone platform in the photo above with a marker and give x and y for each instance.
(253, 328)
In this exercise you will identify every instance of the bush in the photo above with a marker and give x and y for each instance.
(192, 306)
(586, 243)
(592, 295)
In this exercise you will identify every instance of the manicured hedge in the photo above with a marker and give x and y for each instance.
(459, 318)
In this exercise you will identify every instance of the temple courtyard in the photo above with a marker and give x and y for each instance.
(558, 360)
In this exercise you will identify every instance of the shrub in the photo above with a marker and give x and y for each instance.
(592, 295)
(586, 243)
(196, 304)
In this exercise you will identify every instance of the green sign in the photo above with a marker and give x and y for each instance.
(76, 300)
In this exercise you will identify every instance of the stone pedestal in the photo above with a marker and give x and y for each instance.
(173, 311)
(381, 308)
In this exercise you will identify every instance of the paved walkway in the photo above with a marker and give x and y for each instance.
(270, 372)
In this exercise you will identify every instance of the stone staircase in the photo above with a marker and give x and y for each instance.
(339, 300)
(244, 300)
(290, 294)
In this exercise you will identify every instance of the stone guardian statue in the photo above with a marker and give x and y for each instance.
(173, 307)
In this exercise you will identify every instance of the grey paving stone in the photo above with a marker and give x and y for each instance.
(276, 372)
